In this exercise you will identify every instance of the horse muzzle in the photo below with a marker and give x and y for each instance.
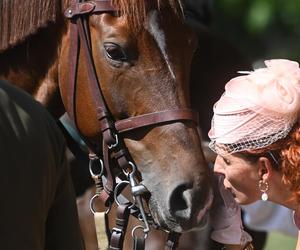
(183, 210)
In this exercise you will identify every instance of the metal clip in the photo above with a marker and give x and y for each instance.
(95, 176)
(134, 230)
(114, 144)
(137, 190)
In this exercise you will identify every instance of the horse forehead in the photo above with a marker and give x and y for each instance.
(155, 30)
(159, 36)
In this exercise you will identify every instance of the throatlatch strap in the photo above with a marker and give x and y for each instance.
(73, 65)
(110, 183)
(103, 115)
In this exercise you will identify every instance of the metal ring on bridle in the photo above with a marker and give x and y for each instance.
(92, 207)
(91, 169)
(139, 227)
(114, 144)
(116, 191)
(133, 166)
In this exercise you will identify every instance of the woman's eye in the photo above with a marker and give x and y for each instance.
(115, 52)
(227, 162)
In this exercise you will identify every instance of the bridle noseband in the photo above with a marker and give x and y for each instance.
(113, 131)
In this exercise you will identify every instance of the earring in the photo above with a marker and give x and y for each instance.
(263, 187)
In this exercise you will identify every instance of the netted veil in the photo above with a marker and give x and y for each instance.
(257, 109)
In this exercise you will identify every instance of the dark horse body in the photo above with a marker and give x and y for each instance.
(144, 66)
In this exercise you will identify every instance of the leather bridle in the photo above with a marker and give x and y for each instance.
(112, 131)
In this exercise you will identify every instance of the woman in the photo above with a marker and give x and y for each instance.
(256, 134)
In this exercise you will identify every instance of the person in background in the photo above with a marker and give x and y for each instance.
(38, 209)
(268, 216)
(256, 133)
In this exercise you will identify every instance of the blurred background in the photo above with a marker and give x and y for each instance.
(260, 28)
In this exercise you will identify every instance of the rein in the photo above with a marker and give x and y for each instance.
(108, 185)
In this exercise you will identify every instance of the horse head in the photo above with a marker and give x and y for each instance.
(142, 55)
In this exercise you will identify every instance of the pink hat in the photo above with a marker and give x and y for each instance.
(257, 109)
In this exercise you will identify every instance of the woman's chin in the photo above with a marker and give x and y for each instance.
(243, 201)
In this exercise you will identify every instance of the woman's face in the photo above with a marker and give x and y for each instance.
(241, 177)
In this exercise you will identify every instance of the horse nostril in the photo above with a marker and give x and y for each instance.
(180, 202)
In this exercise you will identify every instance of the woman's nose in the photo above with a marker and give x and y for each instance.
(218, 166)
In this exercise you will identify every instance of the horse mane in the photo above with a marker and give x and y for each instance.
(21, 18)
(136, 10)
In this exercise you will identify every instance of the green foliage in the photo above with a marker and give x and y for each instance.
(259, 16)
(278, 241)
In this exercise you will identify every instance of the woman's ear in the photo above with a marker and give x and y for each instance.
(265, 169)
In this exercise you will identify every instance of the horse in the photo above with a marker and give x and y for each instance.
(139, 65)
(215, 61)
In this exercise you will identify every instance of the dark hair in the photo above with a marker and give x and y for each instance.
(253, 156)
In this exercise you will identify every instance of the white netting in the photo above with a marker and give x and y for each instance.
(257, 109)
(247, 130)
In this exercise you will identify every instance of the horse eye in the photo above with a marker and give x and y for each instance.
(115, 52)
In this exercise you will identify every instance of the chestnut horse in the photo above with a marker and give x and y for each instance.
(215, 62)
(141, 52)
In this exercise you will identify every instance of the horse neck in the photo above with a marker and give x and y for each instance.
(33, 65)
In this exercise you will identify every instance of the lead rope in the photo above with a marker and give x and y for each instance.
(100, 218)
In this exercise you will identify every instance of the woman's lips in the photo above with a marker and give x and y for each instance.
(231, 191)
(207, 206)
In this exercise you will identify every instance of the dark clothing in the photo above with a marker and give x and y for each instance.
(38, 208)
